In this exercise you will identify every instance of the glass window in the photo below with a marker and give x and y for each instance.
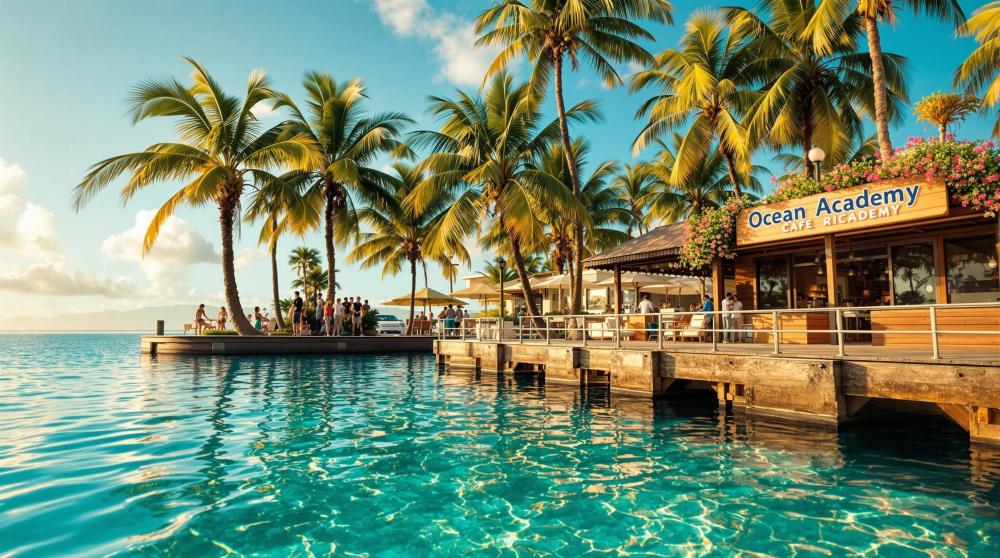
(772, 283)
(596, 299)
(914, 280)
(972, 271)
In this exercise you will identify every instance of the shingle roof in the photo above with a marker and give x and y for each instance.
(660, 242)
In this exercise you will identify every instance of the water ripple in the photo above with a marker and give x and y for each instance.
(106, 452)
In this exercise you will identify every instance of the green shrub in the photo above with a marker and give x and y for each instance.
(219, 332)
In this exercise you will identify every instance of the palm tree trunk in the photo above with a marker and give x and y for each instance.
(522, 275)
(807, 134)
(275, 292)
(331, 254)
(232, 293)
(878, 78)
(413, 294)
(942, 132)
(577, 279)
(731, 165)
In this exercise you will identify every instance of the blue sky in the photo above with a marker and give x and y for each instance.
(68, 65)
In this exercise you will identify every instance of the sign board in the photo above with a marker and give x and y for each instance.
(859, 207)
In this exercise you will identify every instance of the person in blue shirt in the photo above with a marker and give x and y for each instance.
(708, 308)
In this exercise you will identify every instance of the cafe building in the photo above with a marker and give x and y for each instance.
(871, 250)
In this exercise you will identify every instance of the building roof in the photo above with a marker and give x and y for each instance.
(660, 243)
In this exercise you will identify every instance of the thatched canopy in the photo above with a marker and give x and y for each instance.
(657, 251)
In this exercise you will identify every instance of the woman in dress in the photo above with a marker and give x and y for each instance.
(328, 317)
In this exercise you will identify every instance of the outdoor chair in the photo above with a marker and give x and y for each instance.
(693, 330)
(188, 327)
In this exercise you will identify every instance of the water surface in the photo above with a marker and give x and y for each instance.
(106, 452)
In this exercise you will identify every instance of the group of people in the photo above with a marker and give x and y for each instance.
(451, 316)
(732, 320)
(340, 317)
(202, 322)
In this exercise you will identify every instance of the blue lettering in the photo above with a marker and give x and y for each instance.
(754, 219)
(823, 207)
(912, 191)
(876, 199)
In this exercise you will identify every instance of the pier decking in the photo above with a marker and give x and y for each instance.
(282, 345)
(804, 383)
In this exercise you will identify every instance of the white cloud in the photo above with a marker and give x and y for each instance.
(461, 61)
(51, 279)
(263, 110)
(178, 247)
(249, 256)
(25, 227)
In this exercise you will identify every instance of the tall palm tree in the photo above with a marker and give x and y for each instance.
(282, 208)
(350, 140)
(708, 185)
(823, 30)
(482, 154)
(793, 163)
(632, 185)
(816, 90)
(397, 234)
(220, 150)
(980, 72)
(492, 273)
(316, 278)
(710, 80)
(303, 259)
(600, 32)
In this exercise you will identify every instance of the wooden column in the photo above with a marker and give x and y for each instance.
(718, 291)
(830, 247)
(618, 289)
(940, 270)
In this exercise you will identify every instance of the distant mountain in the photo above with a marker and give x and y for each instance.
(140, 319)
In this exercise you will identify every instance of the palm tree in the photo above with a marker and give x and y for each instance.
(981, 70)
(816, 90)
(708, 184)
(481, 154)
(710, 80)
(823, 30)
(600, 32)
(945, 109)
(350, 141)
(280, 205)
(220, 151)
(303, 259)
(397, 234)
(492, 273)
(861, 148)
(316, 278)
(632, 185)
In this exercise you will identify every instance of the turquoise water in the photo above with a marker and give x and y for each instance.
(106, 452)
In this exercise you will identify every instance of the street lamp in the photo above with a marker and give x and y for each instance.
(501, 264)
(816, 155)
(451, 274)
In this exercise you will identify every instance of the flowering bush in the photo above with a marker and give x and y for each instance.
(970, 170)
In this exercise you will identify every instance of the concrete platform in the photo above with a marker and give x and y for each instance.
(283, 345)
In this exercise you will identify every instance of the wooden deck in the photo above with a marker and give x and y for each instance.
(283, 345)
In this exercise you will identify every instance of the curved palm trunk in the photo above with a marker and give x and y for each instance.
(413, 294)
(522, 275)
(577, 279)
(942, 132)
(807, 134)
(331, 250)
(275, 292)
(232, 294)
(878, 78)
(731, 166)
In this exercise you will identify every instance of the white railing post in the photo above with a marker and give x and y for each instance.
(548, 331)
(774, 332)
(935, 350)
(659, 331)
(715, 327)
(840, 332)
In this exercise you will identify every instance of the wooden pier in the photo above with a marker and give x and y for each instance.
(282, 345)
(811, 387)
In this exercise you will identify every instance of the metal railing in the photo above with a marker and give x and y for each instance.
(780, 329)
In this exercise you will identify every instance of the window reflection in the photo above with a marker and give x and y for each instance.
(772, 283)
(972, 271)
(914, 280)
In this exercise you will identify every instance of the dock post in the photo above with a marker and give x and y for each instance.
(840, 333)
(159, 327)
(774, 332)
(936, 352)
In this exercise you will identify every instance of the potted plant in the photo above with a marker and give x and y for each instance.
(369, 323)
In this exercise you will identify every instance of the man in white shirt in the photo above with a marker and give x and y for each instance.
(737, 318)
(727, 318)
(646, 305)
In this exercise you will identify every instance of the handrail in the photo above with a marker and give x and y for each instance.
(621, 331)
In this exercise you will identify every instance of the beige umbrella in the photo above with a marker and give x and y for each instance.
(480, 291)
(425, 296)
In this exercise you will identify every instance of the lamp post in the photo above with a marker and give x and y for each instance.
(501, 264)
(451, 274)
(816, 156)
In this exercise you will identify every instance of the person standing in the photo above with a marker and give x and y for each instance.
(358, 309)
(297, 305)
(338, 317)
(709, 309)
(737, 318)
(645, 305)
(201, 321)
(460, 321)
(320, 309)
(727, 318)
(328, 311)
(223, 317)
